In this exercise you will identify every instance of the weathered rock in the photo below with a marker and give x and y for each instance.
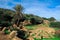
(3, 28)
(16, 38)
(12, 34)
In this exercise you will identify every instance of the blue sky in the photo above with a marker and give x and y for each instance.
(43, 8)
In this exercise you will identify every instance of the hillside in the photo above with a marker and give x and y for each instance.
(27, 28)
(41, 30)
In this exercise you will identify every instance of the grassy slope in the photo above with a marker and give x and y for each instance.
(32, 27)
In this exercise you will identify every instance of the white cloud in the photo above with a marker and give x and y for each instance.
(42, 10)
(35, 7)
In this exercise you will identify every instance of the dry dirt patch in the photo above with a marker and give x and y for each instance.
(45, 31)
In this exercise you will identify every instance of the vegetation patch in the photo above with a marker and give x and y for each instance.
(56, 38)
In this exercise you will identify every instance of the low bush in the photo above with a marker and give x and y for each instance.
(55, 24)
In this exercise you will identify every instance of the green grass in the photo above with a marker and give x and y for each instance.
(51, 38)
(31, 27)
(36, 39)
(56, 38)
(56, 28)
(33, 34)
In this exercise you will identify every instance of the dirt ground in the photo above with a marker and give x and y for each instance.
(46, 32)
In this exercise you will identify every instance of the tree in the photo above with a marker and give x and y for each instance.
(52, 19)
(33, 21)
(55, 24)
(5, 20)
(36, 21)
(18, 8)
(45, 18)
(18, 16)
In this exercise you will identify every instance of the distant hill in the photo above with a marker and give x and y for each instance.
(26, 16)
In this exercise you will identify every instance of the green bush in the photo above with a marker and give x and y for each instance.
(6, 31)
(22, 34)
(36, 21)
(51, 19)
(55, 24)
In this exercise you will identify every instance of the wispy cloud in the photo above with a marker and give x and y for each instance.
(44, 8)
